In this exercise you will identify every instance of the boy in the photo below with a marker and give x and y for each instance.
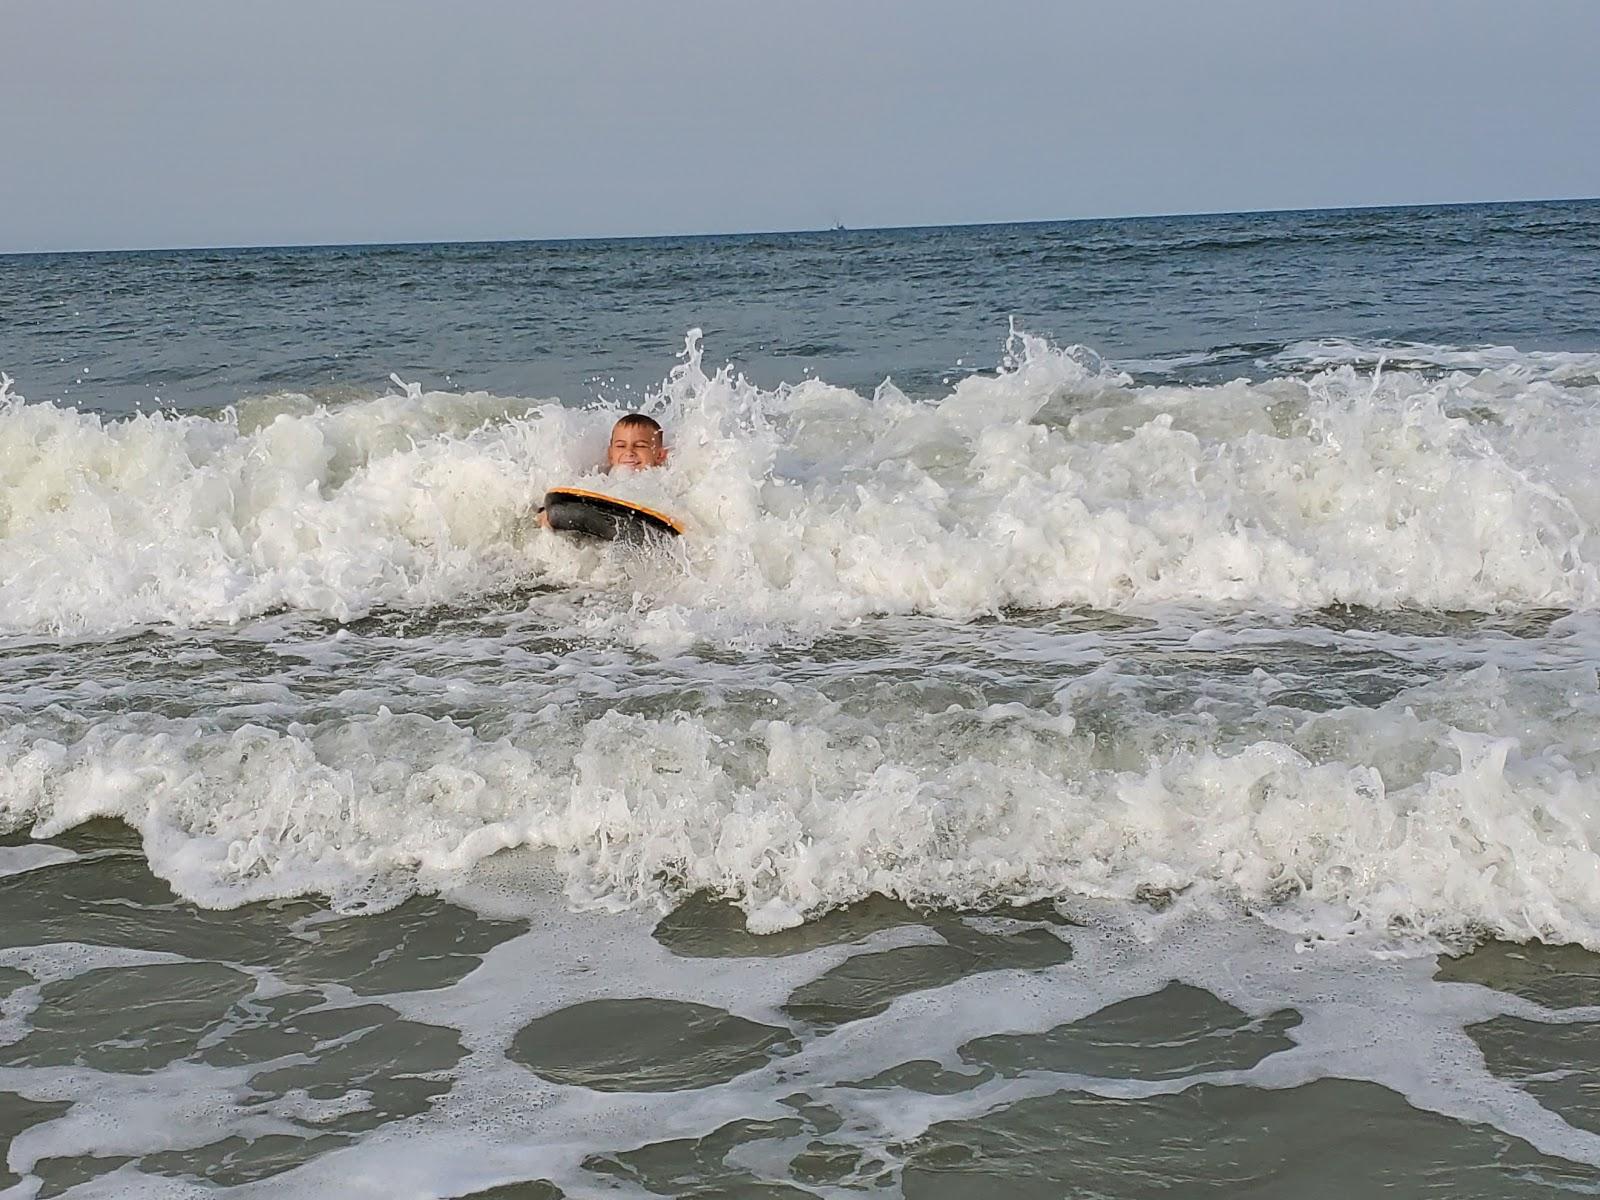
(637, 444)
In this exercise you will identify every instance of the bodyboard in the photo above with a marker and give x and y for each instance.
(596, 515)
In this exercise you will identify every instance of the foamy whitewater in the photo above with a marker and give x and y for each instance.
(1050, 483)
(1065, 747)
(1459, 802)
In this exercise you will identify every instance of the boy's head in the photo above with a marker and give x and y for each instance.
(636, 443)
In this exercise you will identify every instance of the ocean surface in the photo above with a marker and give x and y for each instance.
(1123, 722)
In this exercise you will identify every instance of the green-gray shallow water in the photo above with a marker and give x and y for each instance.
(156, 1048)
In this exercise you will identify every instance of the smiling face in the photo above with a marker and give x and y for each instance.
(636, 444)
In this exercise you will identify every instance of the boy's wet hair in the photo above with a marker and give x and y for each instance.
(640, 421)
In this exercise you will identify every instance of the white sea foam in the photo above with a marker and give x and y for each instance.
(1560, 366)
(19, 860)
(1456, 806)
(1052, 482)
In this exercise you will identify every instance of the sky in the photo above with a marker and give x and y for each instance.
(237, 122)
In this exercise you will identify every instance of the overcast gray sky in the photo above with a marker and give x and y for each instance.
(224, 122)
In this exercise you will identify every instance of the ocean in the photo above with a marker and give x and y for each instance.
(1123, 719)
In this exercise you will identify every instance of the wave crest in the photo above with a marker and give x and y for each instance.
(1051, 481)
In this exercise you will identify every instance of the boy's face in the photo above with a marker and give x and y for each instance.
(634, 447)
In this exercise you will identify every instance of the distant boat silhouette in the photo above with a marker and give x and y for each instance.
(837, 227)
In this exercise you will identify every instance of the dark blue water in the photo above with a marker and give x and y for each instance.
(576, 319)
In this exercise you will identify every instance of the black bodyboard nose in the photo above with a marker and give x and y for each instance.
(595, 515)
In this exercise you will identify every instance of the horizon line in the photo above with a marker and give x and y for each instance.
(795, 231)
